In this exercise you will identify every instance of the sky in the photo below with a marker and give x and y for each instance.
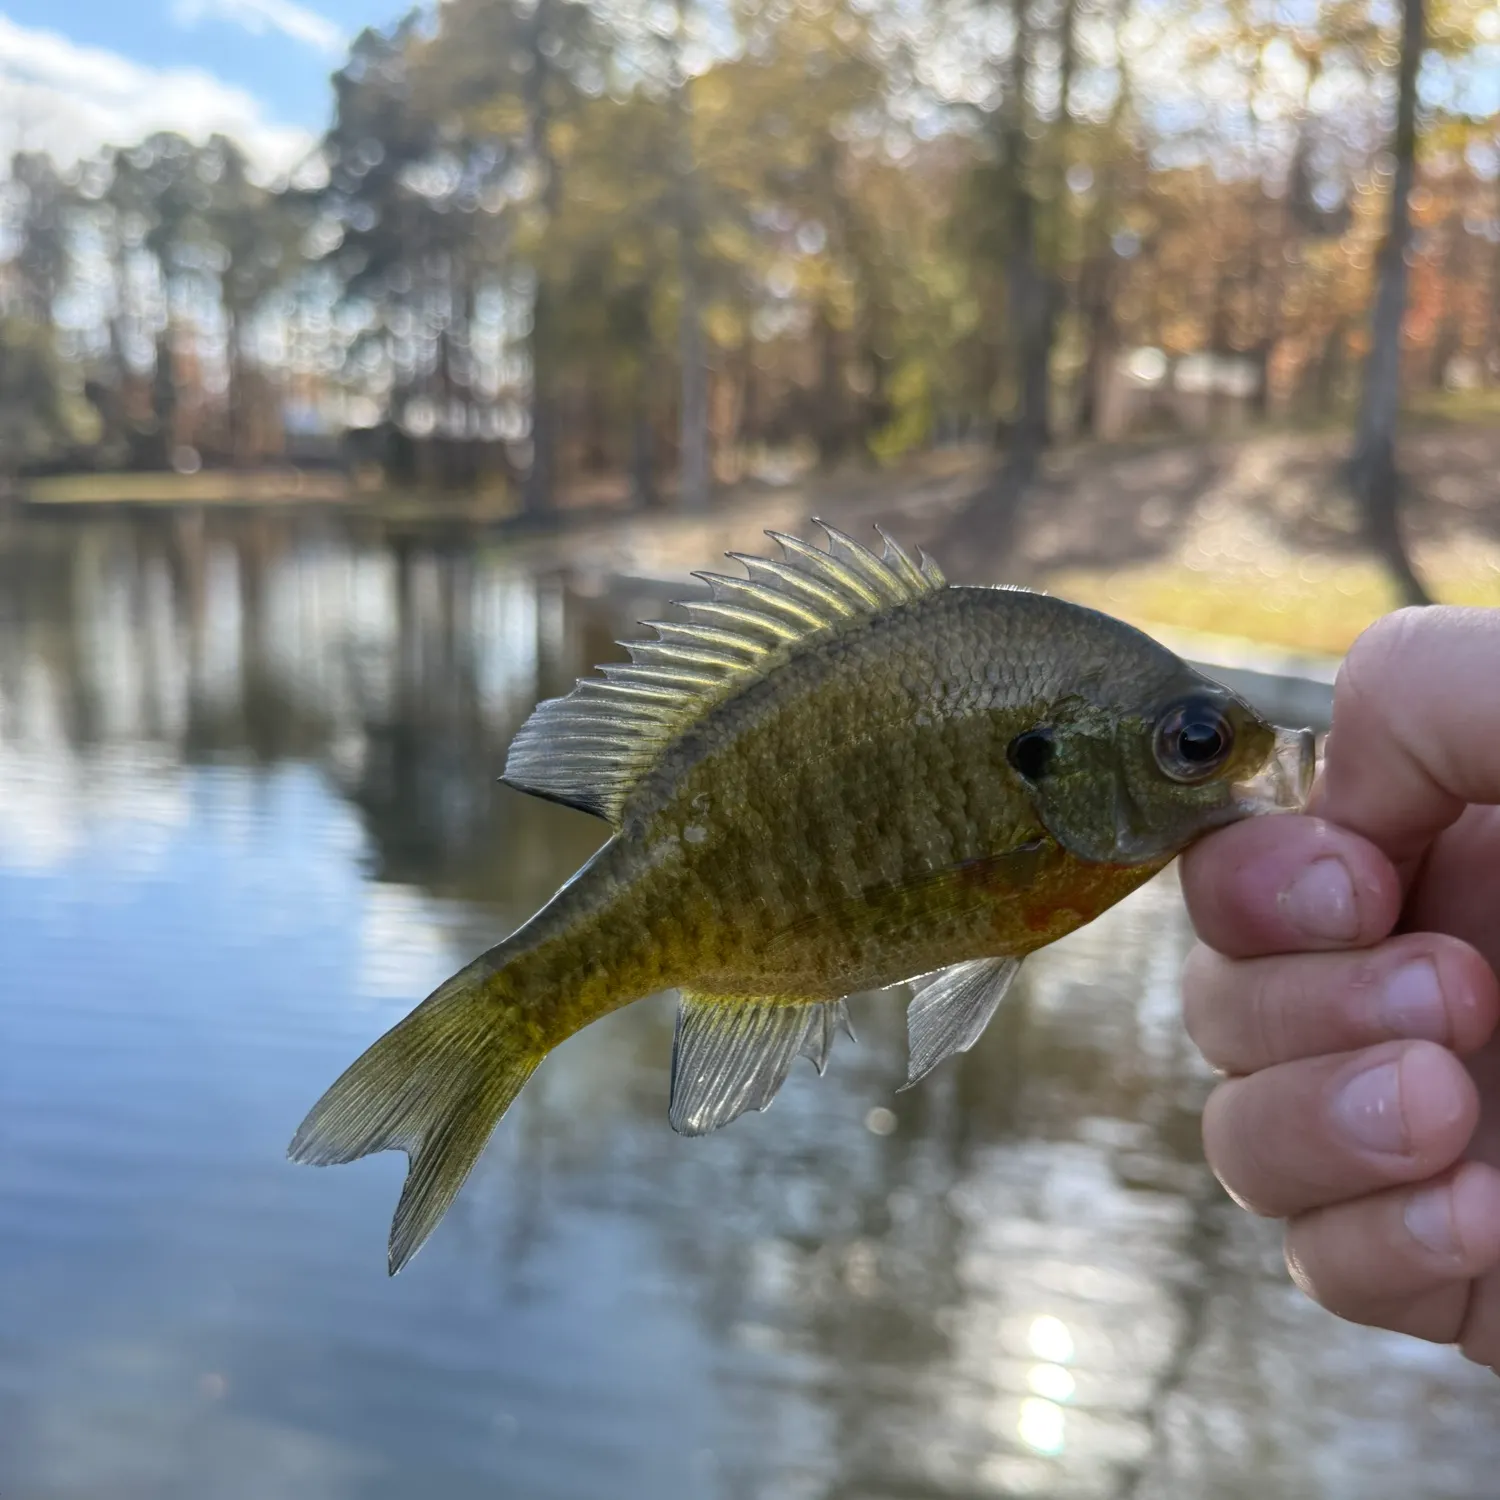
(89, 72)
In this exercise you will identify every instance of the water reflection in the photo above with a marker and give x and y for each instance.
(248, 814)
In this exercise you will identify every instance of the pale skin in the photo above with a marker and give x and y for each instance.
(1346, 984)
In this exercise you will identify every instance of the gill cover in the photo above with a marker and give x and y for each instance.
(1111, 792)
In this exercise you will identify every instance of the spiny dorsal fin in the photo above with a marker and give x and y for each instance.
(589, 749)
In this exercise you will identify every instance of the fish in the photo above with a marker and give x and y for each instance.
(836, 774)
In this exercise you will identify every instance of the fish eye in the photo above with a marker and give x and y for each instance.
(1192, 740)
(1030, 754)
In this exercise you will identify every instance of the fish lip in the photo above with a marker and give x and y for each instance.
(1284, 782)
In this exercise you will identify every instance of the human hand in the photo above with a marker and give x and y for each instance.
(1348, 962)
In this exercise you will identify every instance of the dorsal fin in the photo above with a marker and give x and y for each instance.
(589, 749)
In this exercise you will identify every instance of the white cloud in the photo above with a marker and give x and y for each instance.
(68, 99)
(260, 16)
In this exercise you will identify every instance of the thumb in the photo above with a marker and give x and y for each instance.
(1416, 728)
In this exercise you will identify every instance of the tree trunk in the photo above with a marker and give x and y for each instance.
(537, 491)
(1373, 475)
(692, 447)
(831, 430)
(234, 392)
(692, 473)
(1328, 370)
(1492, 353)
(642, 455)
(1097, 281)
(1456, 273)
(1030, 294)
(1448, 342)
(1218, 342)
(164, 403)
(1033, 299)
(1096, 307)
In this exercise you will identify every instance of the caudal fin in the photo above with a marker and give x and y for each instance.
(434, 1086)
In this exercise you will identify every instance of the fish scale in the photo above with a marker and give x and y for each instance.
(815, 791)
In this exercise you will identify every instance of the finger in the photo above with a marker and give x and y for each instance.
(1324, 1130)
(1459, 891)
(1480, 1335)
(1286, 885)
(1402, 1259)
(1248, 1014)
(1416, 719)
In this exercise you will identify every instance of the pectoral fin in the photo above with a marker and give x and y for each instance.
(950, 1011)
(731, 1055)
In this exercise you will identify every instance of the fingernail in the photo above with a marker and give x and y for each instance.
(1429, 1220)
(1368, 1108)
(1320, 901)
(1411, 1002)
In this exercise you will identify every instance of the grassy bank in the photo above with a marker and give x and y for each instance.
(1251, 537)
(1315, 604)
(207, 487)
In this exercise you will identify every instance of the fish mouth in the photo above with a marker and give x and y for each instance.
(1283, 783)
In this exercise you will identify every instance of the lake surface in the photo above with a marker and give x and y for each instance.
(248, 816)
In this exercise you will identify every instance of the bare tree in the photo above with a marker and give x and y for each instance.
(1031, 235)
(693, 466)
(1372, 472)
(537, 489)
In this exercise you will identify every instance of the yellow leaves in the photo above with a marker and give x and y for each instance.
(712, 95)
(563, 138)
(1456, 26)
(910, 427)
(501, 115)
(724, 325)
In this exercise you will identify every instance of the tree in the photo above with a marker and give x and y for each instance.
(254, 237)
(41, 423)
(561, 242)
(517, 73)
(1020, 199)
(692, 445)
(1372, 470)
(42, 260)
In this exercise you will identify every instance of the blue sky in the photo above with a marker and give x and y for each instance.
(94, 70)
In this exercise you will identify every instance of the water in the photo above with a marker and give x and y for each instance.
(248, 815)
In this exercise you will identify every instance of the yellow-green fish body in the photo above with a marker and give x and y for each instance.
(838, 774)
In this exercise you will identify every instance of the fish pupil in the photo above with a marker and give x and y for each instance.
(1200, 742)
(1192, 739)
(1031, 753)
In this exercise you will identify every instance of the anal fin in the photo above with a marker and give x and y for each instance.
(817, 1044)
(731, 1055)
(948, 1014)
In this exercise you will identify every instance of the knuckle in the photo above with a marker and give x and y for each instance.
(1375, 655)
(1269, 1013)
(1379, 646)
(1355, 995)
